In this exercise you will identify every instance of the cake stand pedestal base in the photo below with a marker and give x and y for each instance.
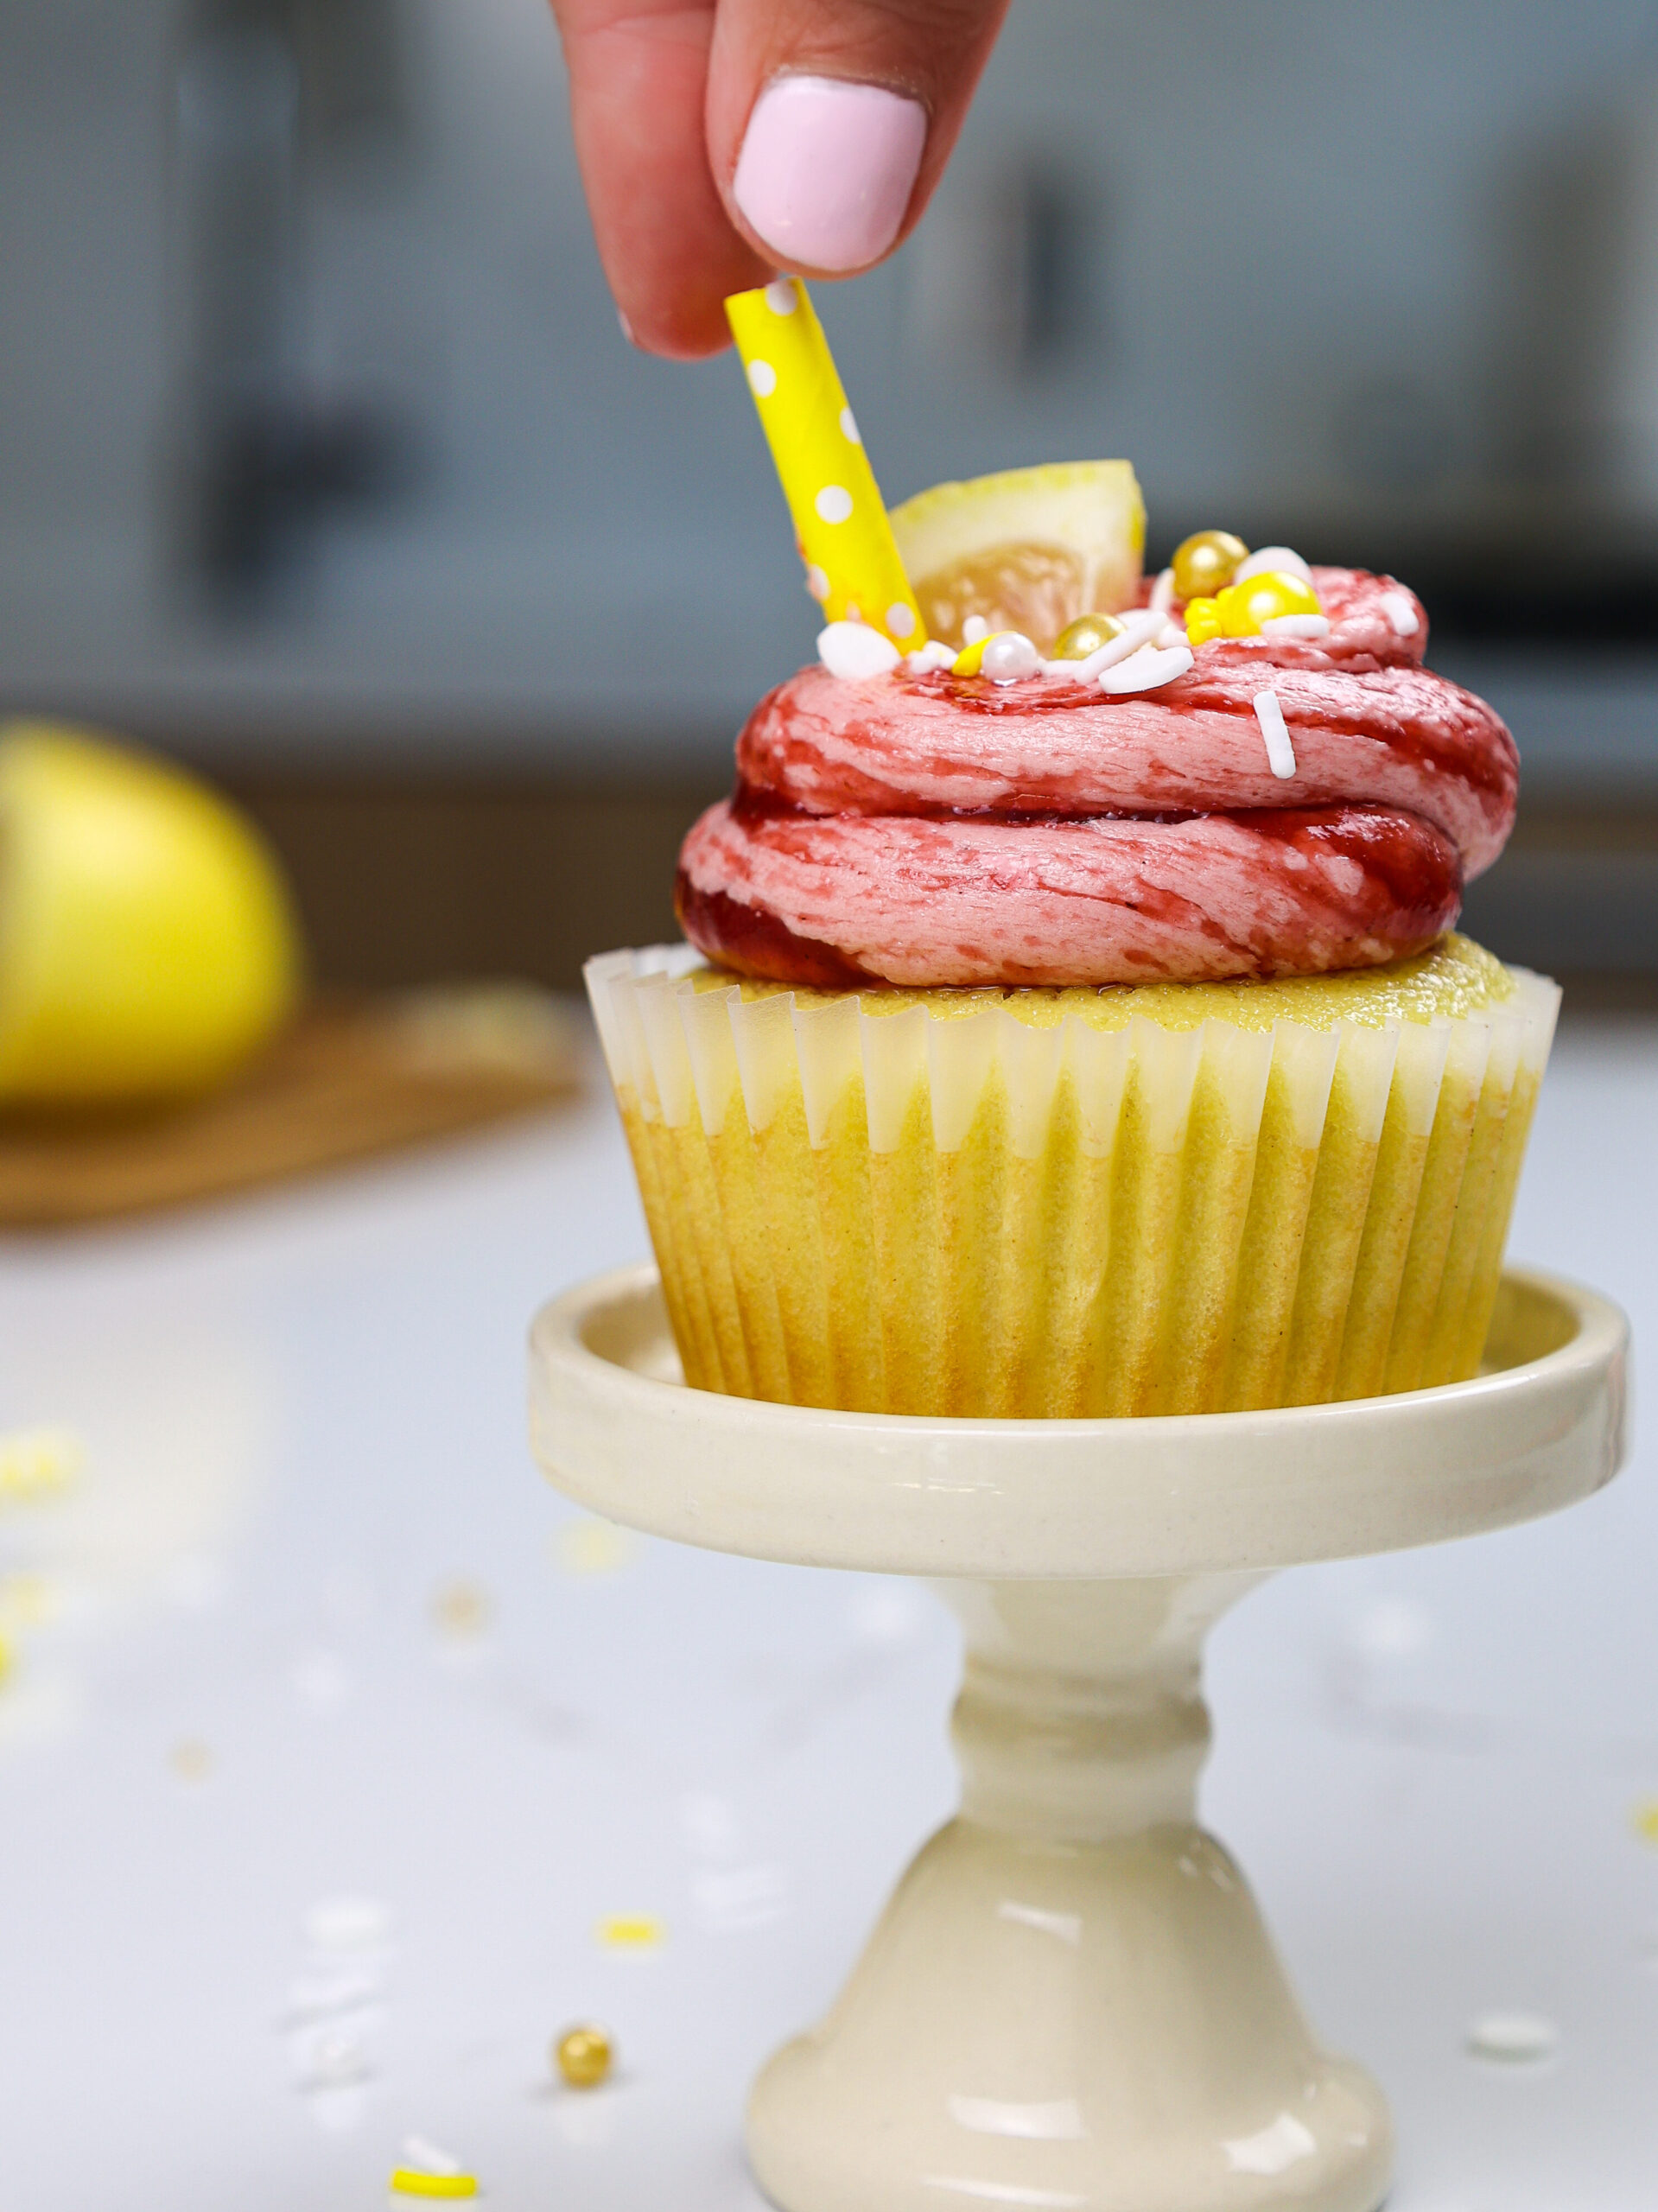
(1073, 1931)
(1071, 2004)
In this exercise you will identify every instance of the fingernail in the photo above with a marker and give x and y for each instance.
(827, 168)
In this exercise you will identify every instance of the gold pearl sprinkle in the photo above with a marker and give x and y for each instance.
(1207, 562)
(191, 1761)
(583, 2055)
(461, 1610)
(1085, 636)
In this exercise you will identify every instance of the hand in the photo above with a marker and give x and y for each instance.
(721, 140)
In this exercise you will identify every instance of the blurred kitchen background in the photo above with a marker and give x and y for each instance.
(324, 467)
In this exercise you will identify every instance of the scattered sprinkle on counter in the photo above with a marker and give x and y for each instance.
(583, 2056)
(34, 1462)
(1644, 1819)
(410, 2181)
(631, 1932)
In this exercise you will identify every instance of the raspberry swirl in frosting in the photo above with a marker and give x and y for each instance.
(935, 829)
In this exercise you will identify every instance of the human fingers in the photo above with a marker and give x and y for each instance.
(638, 80)
(830, 122)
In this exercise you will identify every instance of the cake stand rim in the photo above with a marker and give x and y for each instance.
(1074, 1499)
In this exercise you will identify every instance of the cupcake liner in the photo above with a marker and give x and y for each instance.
(947, 1209)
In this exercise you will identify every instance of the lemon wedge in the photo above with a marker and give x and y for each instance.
(1030, 550)
(148, 943)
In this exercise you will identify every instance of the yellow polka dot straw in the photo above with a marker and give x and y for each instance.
(846, 541)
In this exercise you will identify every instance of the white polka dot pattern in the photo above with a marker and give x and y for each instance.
(845, 539)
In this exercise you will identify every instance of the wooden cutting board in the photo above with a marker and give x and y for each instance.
(349, 1081)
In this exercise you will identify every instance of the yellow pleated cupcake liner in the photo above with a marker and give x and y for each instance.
(954, 1204)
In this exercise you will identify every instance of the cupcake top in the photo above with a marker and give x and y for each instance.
(1255, 781)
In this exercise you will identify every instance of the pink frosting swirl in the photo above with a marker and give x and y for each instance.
(934, 830)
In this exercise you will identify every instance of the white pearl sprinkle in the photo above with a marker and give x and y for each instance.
(1280, 753)
(834, 502)
(781, 296)
(1149, 669)
(1272, 560)
(931, 655)
(762, 379)
(974, 628)
(849, 427)
(1009, 656)
(855, 651)
(900, 620)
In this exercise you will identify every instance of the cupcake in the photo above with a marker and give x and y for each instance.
(1072, 1021)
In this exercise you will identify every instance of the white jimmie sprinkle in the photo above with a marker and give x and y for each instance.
(1280, 753)
(1146, 671)
(1401, 614)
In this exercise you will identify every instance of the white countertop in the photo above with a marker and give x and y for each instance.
(308, 1629)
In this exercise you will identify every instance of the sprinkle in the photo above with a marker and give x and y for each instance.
(849, 427)
(631, 1932)
(583, 2055)
(594, 1547)
(191, 1761)
(855, 651)
(36, 1461)
(1280, 752)
(1163, 593)
(1138, 630)
(781, 296)
(1402, 618)
(974, 628)
(461, 1609)
(933, 654)
(762, 379)
(1644, 1819)
(1008, 656)
(1146, 671)
(1273, 559)
(1513, 2039)
(408, 2181)
(1296, 628)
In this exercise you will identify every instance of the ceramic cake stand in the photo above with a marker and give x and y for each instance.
(1071, 2000)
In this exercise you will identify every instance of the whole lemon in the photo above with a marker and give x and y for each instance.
(148, 943)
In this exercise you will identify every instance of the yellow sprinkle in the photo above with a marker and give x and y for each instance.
(408, 2181)
(25, 1600)
(583, 2056)
(1645, 1820)
(840, 521)
(631, 1932)
(191, 1761)
(594, 1547)
(34, 1462)
(1203, 620)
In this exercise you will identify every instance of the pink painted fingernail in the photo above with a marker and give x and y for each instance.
(827, 169)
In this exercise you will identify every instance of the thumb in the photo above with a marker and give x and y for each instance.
(830, 122)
